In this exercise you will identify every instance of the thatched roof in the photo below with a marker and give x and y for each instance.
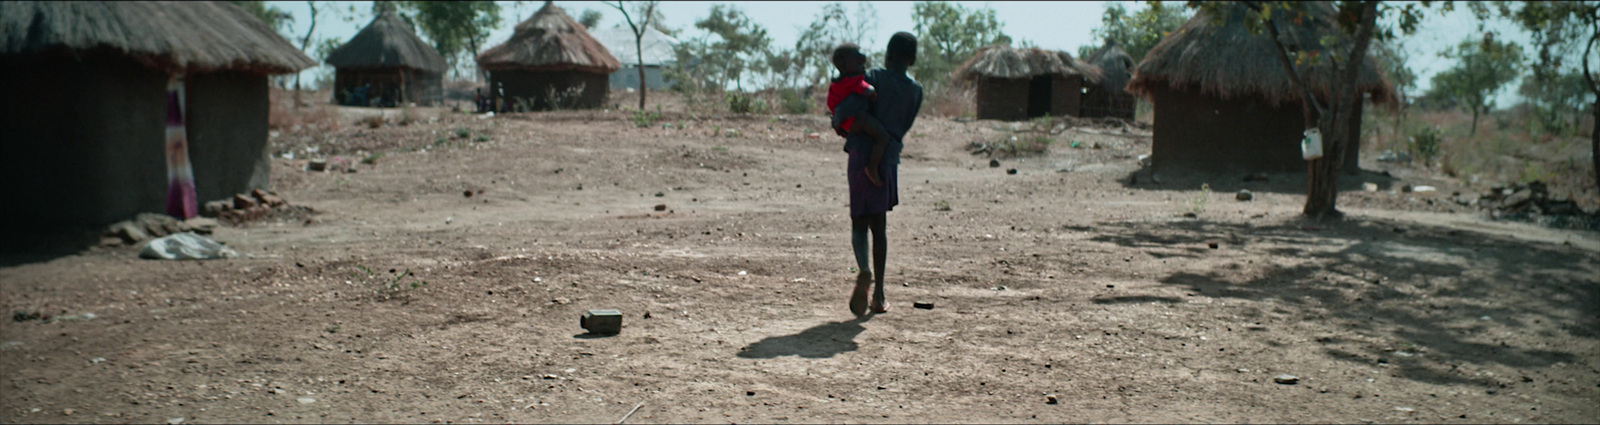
(550, 41)
(387, 42)
(176, 36)
(1115, 65)
(1226, 60)
(1007, 62)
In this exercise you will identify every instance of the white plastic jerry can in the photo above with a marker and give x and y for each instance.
(1311, 145)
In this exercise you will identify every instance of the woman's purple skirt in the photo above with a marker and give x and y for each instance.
(866, 198)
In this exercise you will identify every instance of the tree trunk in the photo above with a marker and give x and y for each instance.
(638, 50)
(1474, 130)
(1322, 177)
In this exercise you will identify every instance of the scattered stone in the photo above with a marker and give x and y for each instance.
(216, 208)
(129, 233)
(1212, 245)
(306, 400)
(68, 412)
(1011, 171)
(1370, 187)
(201, 225)
(925, 305)
(1405, 409)
(1051, 399)
(241, 202)
(1244, 195)
(661, 207)
(1190, 215)
(175, 421)
(1286, 379)
(660, 194)
(994, 163)
(317, 165)
(466, 193)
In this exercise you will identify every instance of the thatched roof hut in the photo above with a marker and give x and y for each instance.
(188, 37)
(1223, 101)
(389, 60)
(550, 62)
(85, 105)
(1108, 98)
(1017, 84)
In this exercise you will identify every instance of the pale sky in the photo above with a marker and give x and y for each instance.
(1061, 25)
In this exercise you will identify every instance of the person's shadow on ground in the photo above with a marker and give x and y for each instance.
(818, 342)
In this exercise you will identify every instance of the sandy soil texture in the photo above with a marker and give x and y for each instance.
(1078, 278)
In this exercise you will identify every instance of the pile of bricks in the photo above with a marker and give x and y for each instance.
(245, 207)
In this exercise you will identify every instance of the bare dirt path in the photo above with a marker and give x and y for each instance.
(1075, 284)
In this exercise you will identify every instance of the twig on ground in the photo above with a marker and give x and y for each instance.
(630, 412)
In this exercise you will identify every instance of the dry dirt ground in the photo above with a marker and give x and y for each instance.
(1080, 284)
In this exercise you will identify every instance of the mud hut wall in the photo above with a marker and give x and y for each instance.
(427, 88)
(535, 86)
(227, 129)
(84, 140)
(1243, 134)
(383, 80)
(1103, 101)
(1066, 95)
(1003, 99)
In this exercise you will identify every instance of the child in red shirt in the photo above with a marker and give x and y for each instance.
(852, 65)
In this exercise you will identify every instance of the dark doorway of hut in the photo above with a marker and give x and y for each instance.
(1039, 89)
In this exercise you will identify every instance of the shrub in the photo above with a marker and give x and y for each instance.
(795, 101)
(642, 118)
(744, 103)
(1424, 144)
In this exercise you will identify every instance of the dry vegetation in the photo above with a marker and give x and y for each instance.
(1509, 148)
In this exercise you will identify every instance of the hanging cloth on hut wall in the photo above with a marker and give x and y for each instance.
(181, 199)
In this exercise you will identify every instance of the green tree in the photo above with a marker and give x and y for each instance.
(1558, 27)
(457, 28)
(1482, 67)
(1136, 33)
(740, 45)
(835, 25)
(1344, 54)
(948, 34)
(639, 19)
(589, 18)
(274, 17)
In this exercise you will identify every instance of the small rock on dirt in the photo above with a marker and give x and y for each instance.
(1212, 245)
(306, 400)
(661, 207)
(317, 165)
(1051, 399)
(1370, 187)
(467, 194)
(994, 163)
(175, 421)
(1011, 171)
(925, 305)
(1286, 379)
(1244, 195)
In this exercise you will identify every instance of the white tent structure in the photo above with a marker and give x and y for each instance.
(657, 54)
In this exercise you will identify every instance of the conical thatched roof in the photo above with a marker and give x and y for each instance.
(1006, 62)
(175, 36)
(1115, 65)
(1226, 60)
(387, 42)
(550, 41)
